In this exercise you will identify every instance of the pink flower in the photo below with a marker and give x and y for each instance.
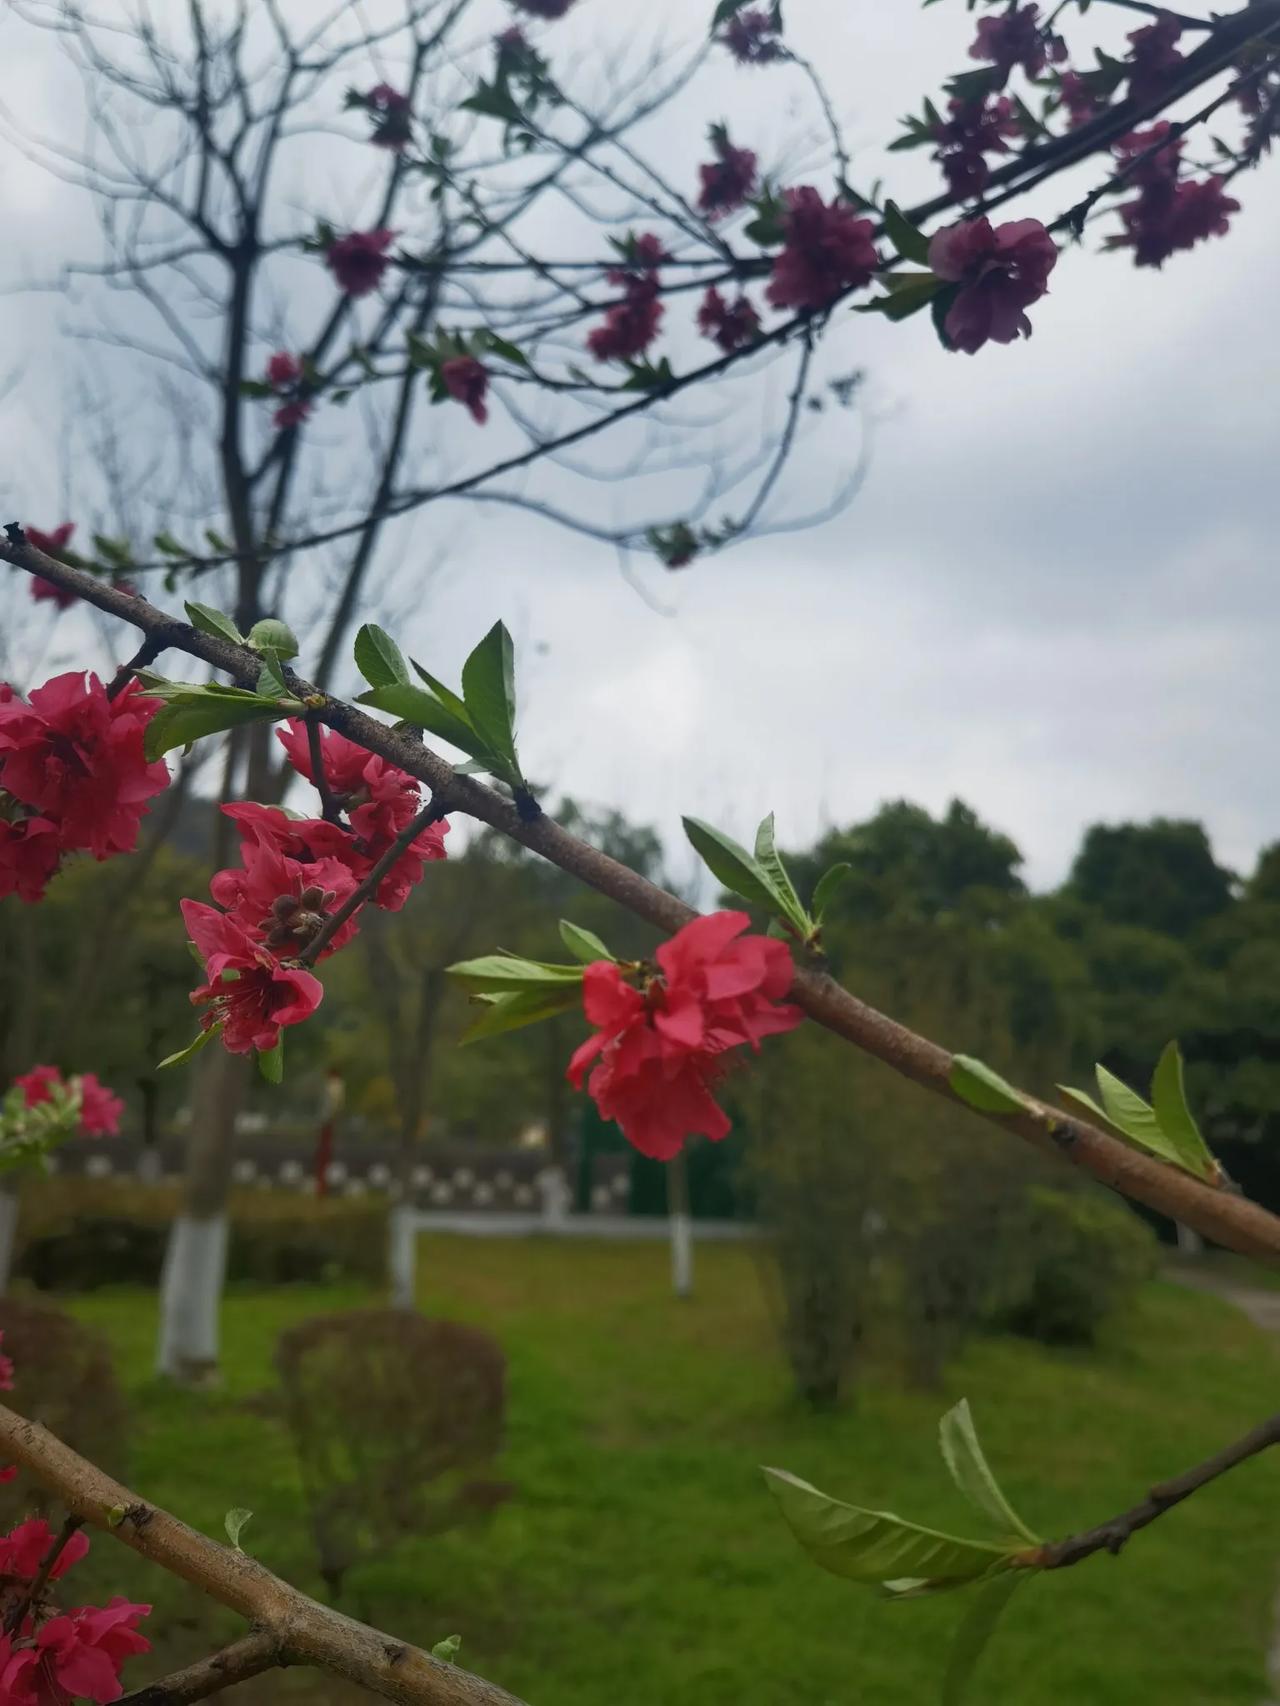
(283, 902)
(100, 1108)
(467, 381)
(1017, 37)
(53, 545)
(1000, 272)
(657, 1051)
(1078, 98)
(261, 999)
(631, 325)
(728, 325)
(729, 179)
(827, 250)
(752, 38)
(76, 758)
(1154, 58)
(25, 1548)
(974, 130)
(291, 414)
(358, 260)
(283, 371)
(30, 854)
(1167, 214)
(78, 1656)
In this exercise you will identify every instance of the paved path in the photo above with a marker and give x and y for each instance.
(1262, 1306)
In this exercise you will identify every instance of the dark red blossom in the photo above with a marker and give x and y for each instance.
(1017, 38)
(467, 381)
(1000, 272)
(752, 38)
(291, 414)
(974, 130)
(511, 40)
(658, 1050)
(261, 998)
(30, 854)
(283, 371)
(729, 325)
(1154, 58)
(827, 249)
(631, 325)
(283, 902)
(1167, 214)
(358, 260)
(390, 111)
(75, 757)
(1079, 99)
(53, 545)
(729, 179)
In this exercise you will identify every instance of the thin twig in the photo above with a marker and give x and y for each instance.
(328, 805)
(1111, 1536)
(146, 654)
(430, 813)
(248, 1657)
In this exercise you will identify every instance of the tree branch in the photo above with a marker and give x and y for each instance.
(431, 813)
(243, 1659)
(1217, 1213)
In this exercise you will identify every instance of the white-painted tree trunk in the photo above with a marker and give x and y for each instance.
(195, 1267)
(8, 1235)
(681, 1254)
(1190, 1243)
(402, 1255)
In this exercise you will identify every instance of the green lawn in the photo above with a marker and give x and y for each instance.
(641, 1562)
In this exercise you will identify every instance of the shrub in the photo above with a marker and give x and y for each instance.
(63, 1378)
(392, 1415)
(76, 1234)
(1086, 1256)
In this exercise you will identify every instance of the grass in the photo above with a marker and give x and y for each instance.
(641, 1562)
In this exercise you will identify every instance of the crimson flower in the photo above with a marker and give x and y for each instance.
(729, 179)
(358, 260)
(1079, 99)
(658, 1050)
(631, 325)
(827, 249)
(1154, 57)
(30, 854)
(1167, 214)
(730, 325)
(24, 1549)
(52, 544)
(76, 758)
(1017, 37)
(974, 130)
(6, 1371)
(291, 414)
(283, 902)
(262, 997)
(100, 1108)
(283, 370)
(390, 111)
(78, 1656)
(467, 381)
(1000, 272)
(752, 38)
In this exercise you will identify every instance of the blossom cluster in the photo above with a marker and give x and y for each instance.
(74, 776)
(294, 874)
(658, 1050)
(100, 1108)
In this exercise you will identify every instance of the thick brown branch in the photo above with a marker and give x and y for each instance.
(1111, 1536)
(304, 1631)
(1230, 1220)
(243, 1659)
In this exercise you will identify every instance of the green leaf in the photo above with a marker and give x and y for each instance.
(271, 1062)
(257, 388)
(216, 540)
(522, 1007)
(975, 1082)
(378, 658)
(489, 693)
(424, 711)
(201, 1040)
(908, 294)
(971, 1473)
(191, 715)
(732, 864)
(770, 862)
(234, 1522)
(506, 972)
(1177, 1122)
(725, 10)
(271, 682)
(447, 1649)
(170, 546)
(584, 945)
(911, 243)
(878, 1547)
(447, 697)
(1127, 1110)
(273, 635)
(975, 1631)
(211, 621)
(829, 883)
(117, 552)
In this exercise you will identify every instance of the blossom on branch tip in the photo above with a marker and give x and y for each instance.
(1154, 58)
(827, 249)
(974, 130)
(729, 179)
(729, 325)
(1000, 272)
(248, 992)
(1079, 99)
(30, 854)
(658, 1050)
(752, 38)
(390, 111)
(630, 326)
(53, 545)
(467, 381)
(359, 260)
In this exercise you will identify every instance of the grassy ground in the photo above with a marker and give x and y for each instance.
(641, 1562)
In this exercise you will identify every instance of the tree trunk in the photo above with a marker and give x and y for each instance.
(9, 1204)
(680, 1225)
(196, 1259)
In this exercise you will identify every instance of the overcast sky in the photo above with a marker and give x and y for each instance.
(1055, 595)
